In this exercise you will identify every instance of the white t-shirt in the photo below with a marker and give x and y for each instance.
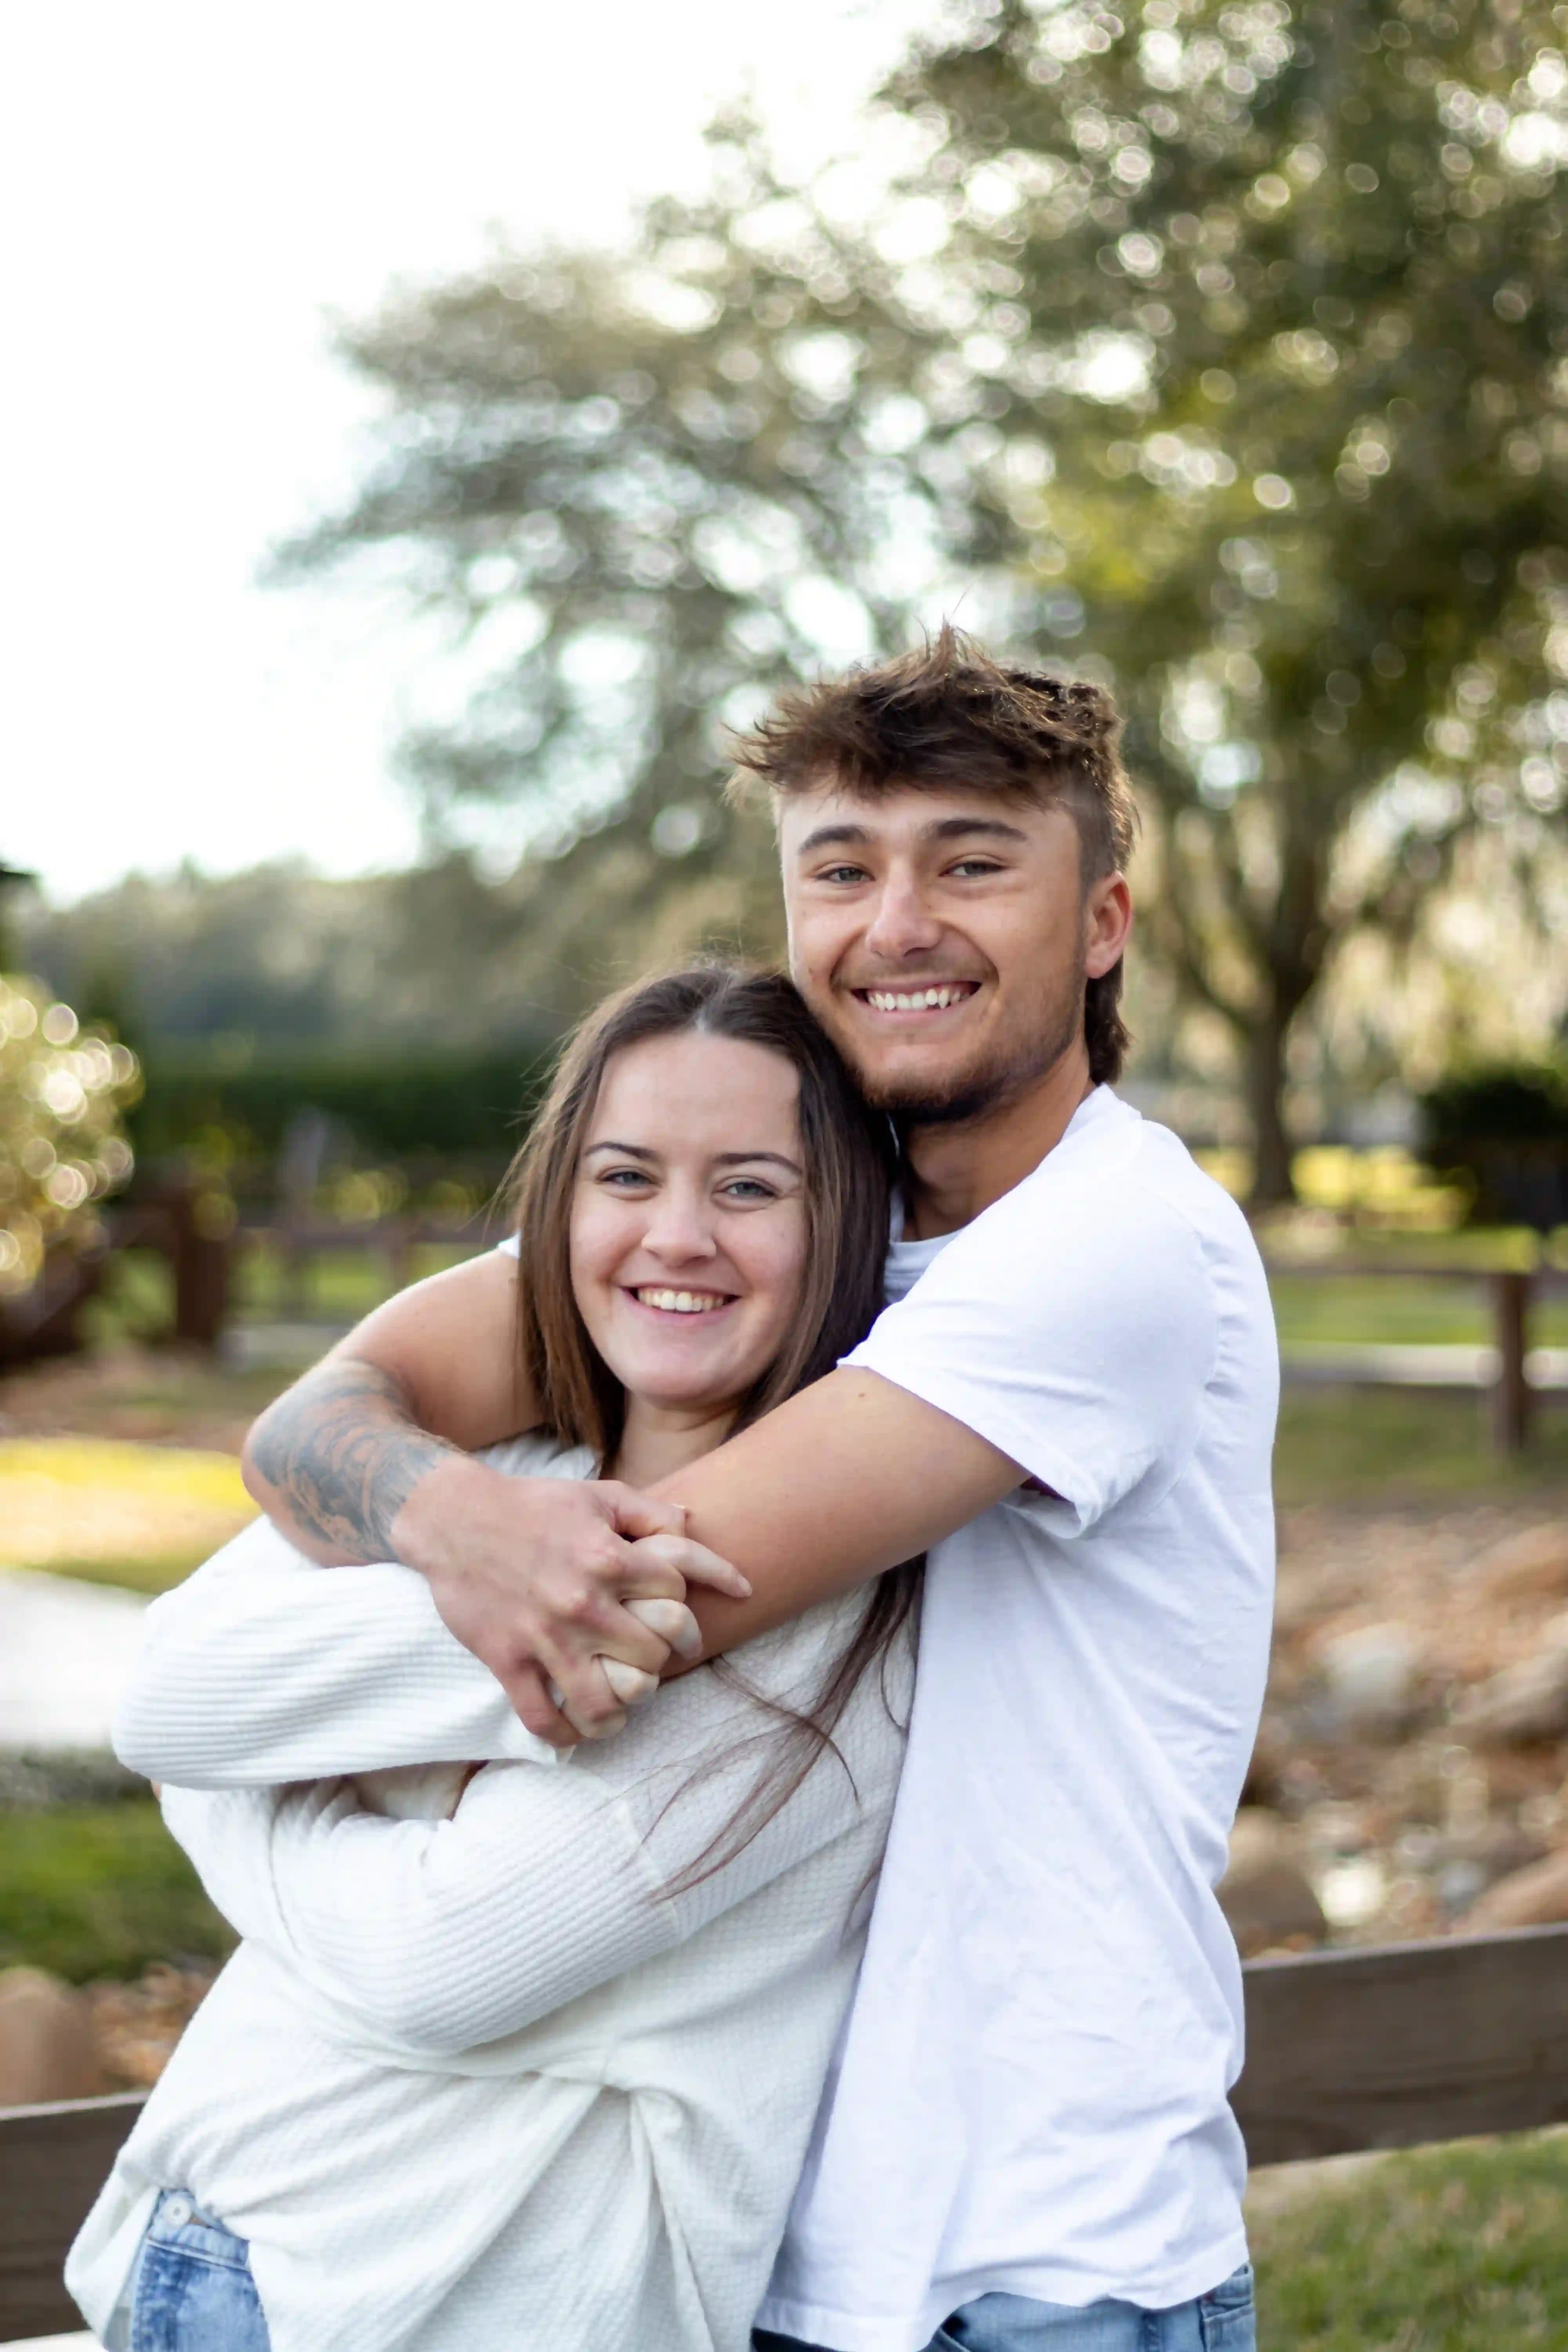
(1029, 2094)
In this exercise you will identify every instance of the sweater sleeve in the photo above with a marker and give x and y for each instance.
(441, 1936)
(262, 1669)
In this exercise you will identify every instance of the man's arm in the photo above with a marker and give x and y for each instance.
(1067, 1342)
(369, 1458)
(848, 1478)
(427, 1378)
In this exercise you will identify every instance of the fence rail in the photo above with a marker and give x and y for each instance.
(1512, 1292)
(1391, 2047)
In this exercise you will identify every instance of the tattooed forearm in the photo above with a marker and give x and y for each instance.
(340, 1453)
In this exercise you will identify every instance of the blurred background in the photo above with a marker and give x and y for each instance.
(424, 445)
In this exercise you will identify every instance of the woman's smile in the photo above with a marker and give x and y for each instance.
(663, 1301)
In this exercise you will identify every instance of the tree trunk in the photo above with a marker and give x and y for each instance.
(1265, 1091)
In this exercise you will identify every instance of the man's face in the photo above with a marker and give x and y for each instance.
(942, 939)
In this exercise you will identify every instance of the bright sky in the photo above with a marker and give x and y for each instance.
(192, 192)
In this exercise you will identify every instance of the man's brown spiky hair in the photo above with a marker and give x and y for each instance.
(949, 718)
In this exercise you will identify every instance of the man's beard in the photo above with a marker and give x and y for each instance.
(985, 1087)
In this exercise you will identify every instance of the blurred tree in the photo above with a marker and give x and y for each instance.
(62, 1148)
(1290, 323)
(279, 957)
(1227, 341)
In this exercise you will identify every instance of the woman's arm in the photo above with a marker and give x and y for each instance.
(442, 1936)
(261, 1668)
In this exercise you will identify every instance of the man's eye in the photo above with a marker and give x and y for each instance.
(966, 866)
(842, 873)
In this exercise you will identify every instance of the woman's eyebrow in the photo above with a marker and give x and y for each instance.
(627, 1150)
(737, 1158)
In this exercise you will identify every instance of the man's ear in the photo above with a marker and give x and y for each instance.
(1108, 920)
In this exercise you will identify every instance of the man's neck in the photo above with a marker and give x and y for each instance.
(956, 1171)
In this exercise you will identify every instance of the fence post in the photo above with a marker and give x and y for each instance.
(200, 1251)
(399, 1246)
(1511, 1398)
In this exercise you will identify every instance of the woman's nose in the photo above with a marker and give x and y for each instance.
(679, 1231)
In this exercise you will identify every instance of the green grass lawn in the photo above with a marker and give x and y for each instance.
(1325, 1307)
(1458, 2248)
(1405, 1446)
(100, 1891)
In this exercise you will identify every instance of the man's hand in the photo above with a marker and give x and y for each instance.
(572, 1593)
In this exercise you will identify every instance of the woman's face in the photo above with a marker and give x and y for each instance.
(688, 1221)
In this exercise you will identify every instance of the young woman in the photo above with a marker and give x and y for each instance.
(540, 2075)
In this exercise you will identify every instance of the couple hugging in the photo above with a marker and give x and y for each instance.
(862, 2004)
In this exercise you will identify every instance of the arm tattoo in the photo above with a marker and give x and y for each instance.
(344, 1451)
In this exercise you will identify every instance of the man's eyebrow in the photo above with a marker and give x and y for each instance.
(833, 836)
(847, 835)
(953, 828)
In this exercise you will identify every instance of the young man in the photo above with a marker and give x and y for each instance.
(1070, 1404)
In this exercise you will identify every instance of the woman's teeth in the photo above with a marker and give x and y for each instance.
(918, 1000)
(681, 1302)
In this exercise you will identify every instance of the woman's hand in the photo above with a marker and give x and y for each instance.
(537, 1576)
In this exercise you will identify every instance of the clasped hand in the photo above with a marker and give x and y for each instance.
(572, 1592)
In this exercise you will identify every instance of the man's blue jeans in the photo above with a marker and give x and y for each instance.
(1220, 2321)
(194, 2289)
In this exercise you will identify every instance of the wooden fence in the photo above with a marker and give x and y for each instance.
(1512, 1293)
(1391, 2047)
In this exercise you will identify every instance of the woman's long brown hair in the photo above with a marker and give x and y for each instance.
(848, 1163)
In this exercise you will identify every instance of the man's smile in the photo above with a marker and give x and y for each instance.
(934, 996)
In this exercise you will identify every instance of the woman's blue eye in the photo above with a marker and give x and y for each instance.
(750, 1188)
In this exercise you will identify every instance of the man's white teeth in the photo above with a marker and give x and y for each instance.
(682, 1302)
(918, 1000)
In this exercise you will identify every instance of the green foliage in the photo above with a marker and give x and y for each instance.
(452, 1111)
(1521, 1105)
(1224, 339)
(1507, 1132)
(61, 1147)
(1316, 529)
(100, 1891)
(1453, 2250)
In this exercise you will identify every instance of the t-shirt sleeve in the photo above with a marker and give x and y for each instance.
(1076, 1334)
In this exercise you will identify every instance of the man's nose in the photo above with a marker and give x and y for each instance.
(903, 925)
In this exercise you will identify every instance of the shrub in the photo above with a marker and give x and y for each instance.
(423, 1112)
(1505, 1132)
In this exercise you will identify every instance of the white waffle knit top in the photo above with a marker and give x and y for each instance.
(488, 2083)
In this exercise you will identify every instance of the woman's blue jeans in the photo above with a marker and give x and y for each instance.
(1220, 2321)
(193, 2288)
